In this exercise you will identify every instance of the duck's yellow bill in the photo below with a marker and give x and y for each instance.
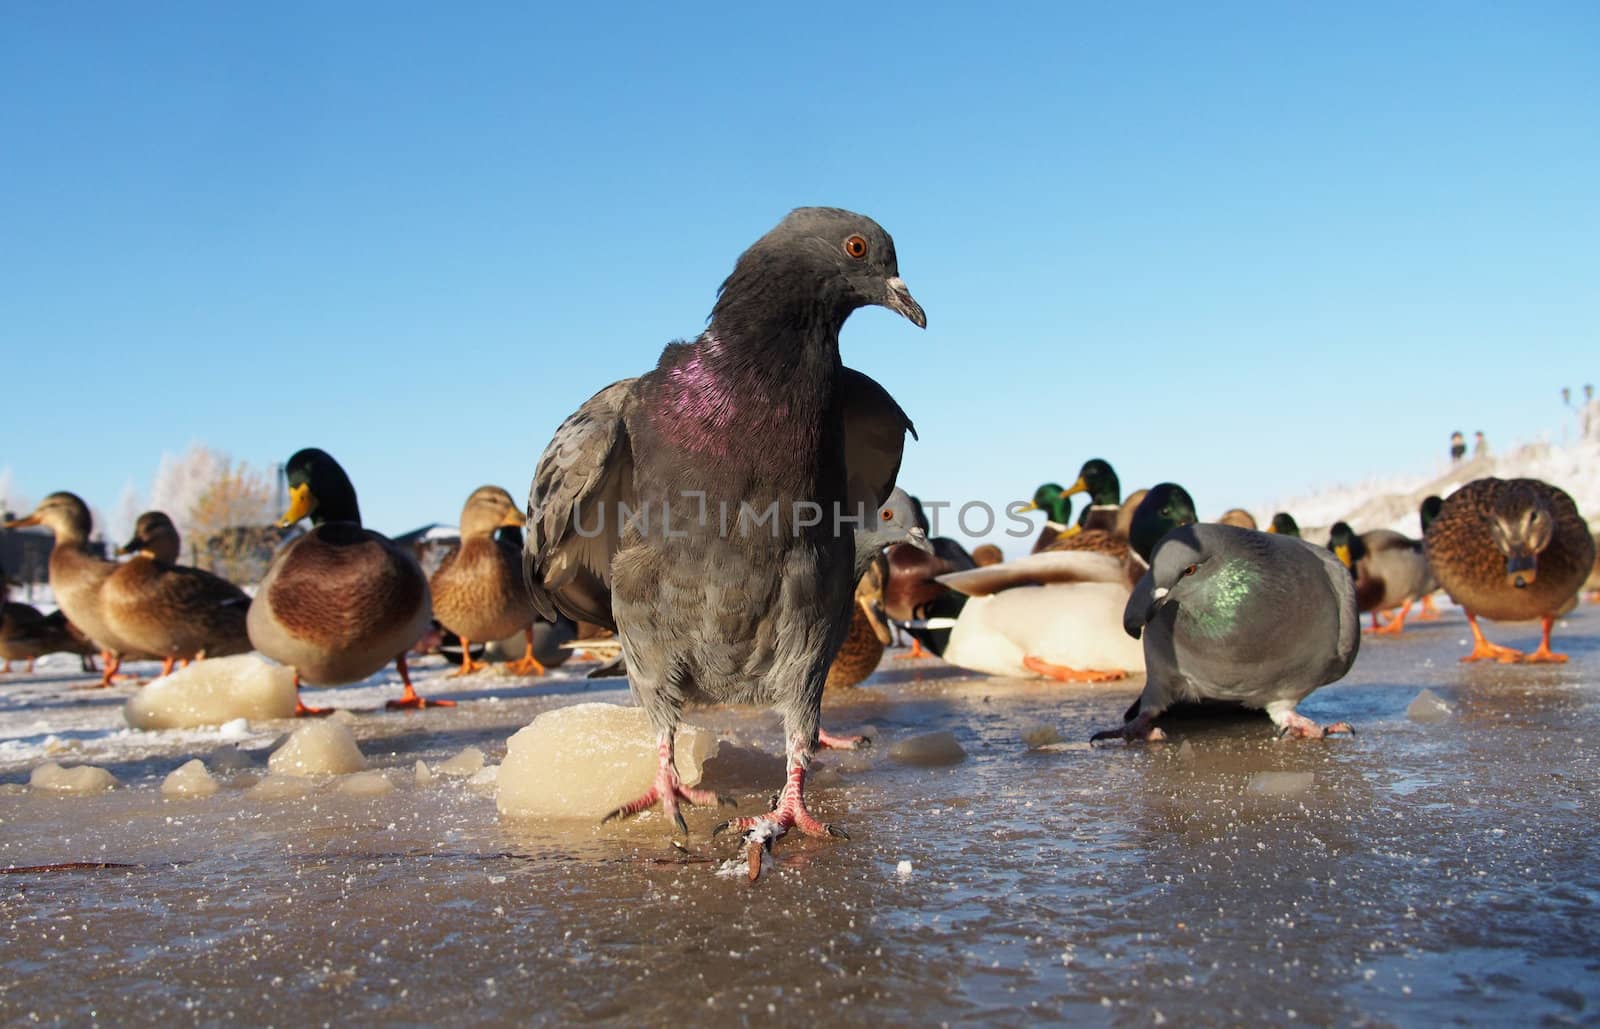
(301, 503)
(1078, 487)
(1343, 554)
(514, 518)
(23, 523)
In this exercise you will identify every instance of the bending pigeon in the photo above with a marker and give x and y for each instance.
(1235, 614)
(696, 508)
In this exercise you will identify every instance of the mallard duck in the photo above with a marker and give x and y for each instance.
(478, 590)
(1098, 479)
(26, 634)
(986, 554)
(168, 610)
(869, 634)
(1391, 571)
(1426, 513)
(77, 576)
(1052, 499)
(1165, 507)
(1125, 513)
(1283, 524)
(1056, 615)
(1239, 518)
(1511, 550)
(341, 601)
(911, 592)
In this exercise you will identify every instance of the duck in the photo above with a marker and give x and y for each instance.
(868, 636)
(1511, 550)
(478, 590)
(1390, 570)
(26, 634)
(168, 610)
(1165, 507)
(341, 601)
(911, 592)
(1130, 505)
(1427, 511)
(1099, 480)
(1052, 499)
(1283, 524)
(1593, 583)
(1056, 615)
(77, 575)
(1239, 518)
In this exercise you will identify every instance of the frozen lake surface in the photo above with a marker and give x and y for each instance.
(1438, 868)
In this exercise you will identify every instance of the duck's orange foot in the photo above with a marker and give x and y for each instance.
(415, 702)
(1061, 673)
(301, 711)
(915, 652)
(468, 665)
(1429, 613)
(527, 666)
(1486, 651)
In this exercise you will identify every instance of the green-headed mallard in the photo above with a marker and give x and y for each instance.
(77, 576)
(478, 590)
(1098, 479)
(1283, 524)
(1511, 550)
(1390, 569)
(168, 610)
(341, 601)
(1165, 507)
(1052, 499)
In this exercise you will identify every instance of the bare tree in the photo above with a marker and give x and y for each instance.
(230, 530)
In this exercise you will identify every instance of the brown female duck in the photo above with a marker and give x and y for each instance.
(478, 590)
(1511, 550)
(341, 601)
(77, 576)
(168, 610)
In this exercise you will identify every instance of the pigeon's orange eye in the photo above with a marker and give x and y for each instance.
(856, 247)
(1191, 570)
(887, 516)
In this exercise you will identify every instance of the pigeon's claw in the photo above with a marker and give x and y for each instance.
(667, 791)
(827, 741)
(1137, 730)
(1293, 725)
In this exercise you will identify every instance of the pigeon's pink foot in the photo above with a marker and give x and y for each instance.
(828, 741)
(1140, 730)
(1292, 723)
(667, 791)
(788, 812)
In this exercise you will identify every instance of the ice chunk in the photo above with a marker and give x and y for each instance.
(319, 748)
(929, 750)
(189, 780)
(281, 787)
(365, 784)
(421, 773)
(1280, 784)
(82, 779)
(903, 869)
(582, 761)
(236, 730)
(1038, 737)
(464, 765)
(1429, 707)
(486, 777)
(215, 691)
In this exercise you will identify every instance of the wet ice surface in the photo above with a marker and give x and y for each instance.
(1422, 871)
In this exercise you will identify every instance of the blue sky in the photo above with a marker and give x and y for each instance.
(1249, 247)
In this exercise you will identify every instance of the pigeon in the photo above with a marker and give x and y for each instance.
(1239, 615)
(707, 509)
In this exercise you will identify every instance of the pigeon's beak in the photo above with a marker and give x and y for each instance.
(1159, 597)
(918, 537)
(898, 298)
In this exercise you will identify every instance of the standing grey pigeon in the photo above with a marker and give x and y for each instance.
(700, 507)
(1235, 614)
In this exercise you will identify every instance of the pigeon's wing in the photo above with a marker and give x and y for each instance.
(874, 439)
(574, 530)
(1344, 594)
(1037, 570)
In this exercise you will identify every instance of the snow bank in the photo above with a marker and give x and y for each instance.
(585, 760)
(214, 692)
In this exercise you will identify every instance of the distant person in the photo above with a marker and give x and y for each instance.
(1458, 446)
(1480, 446)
